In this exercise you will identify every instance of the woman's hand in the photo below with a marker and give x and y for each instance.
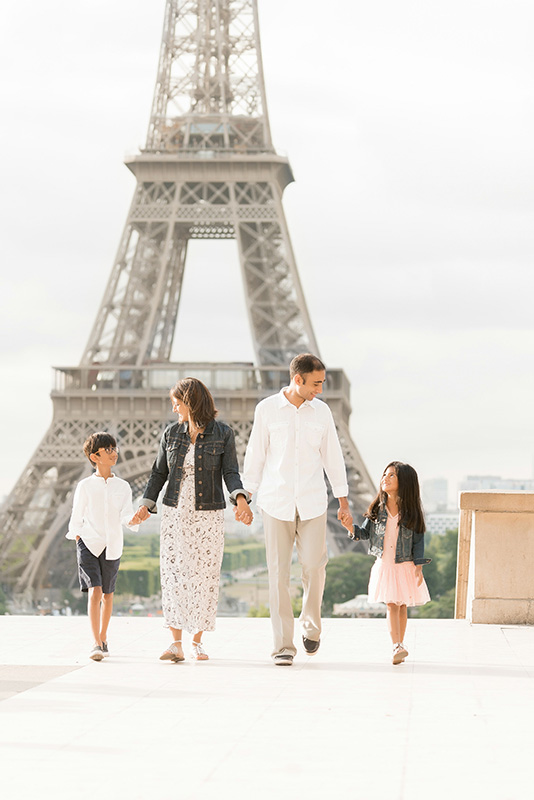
(419, 574)
(242, 510)
(140, 515)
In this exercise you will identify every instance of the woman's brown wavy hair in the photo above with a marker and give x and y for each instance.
(197, 397)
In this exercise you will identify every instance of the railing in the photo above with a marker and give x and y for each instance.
(219, 378)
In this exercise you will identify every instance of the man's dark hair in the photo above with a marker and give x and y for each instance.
(305, 363)
(97, 440)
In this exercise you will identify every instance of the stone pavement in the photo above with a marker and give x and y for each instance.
(454, 721)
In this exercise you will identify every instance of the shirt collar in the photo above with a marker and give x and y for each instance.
(100, 478)
(283, 401)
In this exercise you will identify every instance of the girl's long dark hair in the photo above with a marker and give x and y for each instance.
(411, 513)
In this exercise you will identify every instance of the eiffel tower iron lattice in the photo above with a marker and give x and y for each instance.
(208, 171)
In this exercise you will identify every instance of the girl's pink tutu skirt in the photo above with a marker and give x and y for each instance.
(395, 583)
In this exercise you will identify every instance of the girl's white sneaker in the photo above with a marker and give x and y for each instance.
(399, 653)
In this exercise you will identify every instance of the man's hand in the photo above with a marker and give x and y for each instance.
(242, 511)
(343, 514)
(140, 515)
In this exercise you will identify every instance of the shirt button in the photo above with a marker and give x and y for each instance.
(200, 508)
(200, 482)
(200, 494)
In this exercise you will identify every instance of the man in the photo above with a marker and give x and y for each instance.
(292, 443)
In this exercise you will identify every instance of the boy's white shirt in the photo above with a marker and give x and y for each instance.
(99, 510)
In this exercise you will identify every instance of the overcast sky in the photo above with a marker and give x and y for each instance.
(409, 126)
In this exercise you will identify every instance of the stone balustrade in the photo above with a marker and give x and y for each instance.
(495, 572)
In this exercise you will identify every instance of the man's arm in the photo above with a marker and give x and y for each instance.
(256, 452)
(334, 466)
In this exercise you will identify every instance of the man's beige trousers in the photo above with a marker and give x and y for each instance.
(310, 537)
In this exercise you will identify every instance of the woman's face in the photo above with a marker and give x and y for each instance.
(389, 483)
(180, 408)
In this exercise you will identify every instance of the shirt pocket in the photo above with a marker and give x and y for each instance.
(172, 454)
(406, 540)
(278, 433)
(314, 434)
(213, 453)
(116, 501)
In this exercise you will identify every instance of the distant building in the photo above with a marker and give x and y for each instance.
(440, 523)
(494, 483)
(435, 494)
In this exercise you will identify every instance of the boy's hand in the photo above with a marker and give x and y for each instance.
(140, 515)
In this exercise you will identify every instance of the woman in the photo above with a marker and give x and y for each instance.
(195, 454)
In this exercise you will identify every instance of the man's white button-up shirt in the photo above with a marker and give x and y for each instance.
(100, 508)
(288, 450)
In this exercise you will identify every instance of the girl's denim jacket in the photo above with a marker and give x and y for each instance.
(410, 545)
(215, 459)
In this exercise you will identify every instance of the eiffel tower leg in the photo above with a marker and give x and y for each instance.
(277, 310)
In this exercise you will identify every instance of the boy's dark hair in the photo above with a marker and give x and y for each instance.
(197, 397)
(97, 440)
(411, 514)
(305, 363)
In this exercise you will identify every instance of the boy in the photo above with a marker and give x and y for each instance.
(102, 504)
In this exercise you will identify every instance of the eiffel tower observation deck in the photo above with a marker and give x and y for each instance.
(208, 171)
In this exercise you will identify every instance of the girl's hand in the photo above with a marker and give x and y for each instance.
(419, 574)
(345, 517)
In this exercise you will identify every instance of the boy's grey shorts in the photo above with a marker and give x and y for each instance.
(96, 570)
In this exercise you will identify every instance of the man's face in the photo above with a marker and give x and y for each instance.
(310, 384)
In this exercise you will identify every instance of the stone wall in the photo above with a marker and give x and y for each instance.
(495, 573)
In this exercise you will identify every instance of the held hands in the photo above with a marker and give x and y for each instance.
(140, 515)
(242, 511)
(345, 517)
(419, 574)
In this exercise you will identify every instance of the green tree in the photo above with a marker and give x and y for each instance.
(258, 611)
(3, 601)
(443, 608)
(440, 574)
(346, 576)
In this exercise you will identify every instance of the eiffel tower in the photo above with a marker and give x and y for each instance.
(208, 171)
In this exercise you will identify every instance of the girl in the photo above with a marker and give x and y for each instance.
(395, 526)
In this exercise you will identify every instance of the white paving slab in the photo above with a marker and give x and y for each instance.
(453, 721)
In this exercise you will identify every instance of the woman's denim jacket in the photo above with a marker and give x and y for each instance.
(410, 545)
(215, 458)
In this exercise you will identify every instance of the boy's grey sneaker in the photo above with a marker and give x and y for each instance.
(97, 654)
(283, 660)
(105, 649)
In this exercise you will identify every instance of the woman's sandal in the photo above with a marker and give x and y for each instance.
(173, 653)
(198, 652)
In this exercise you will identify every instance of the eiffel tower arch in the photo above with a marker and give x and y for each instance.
(208, 171)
